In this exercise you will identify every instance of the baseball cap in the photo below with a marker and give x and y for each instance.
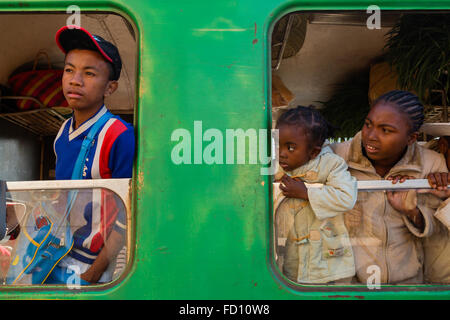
(74, 37)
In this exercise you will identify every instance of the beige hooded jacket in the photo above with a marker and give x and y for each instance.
(437, 247)
(443, 213)
(384, 239)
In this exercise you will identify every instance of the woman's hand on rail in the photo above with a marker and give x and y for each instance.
(402, 201)
(405, 202)
(400, 178)
(438, 181)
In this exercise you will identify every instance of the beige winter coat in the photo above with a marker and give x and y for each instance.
(383, 239)
(318, 248)
(443, 213)
(437, 247)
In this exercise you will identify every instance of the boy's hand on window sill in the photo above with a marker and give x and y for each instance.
(109, 252)
(91, 275)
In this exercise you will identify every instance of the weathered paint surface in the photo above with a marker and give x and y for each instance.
(202, 231)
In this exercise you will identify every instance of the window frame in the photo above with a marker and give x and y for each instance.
(369, 185)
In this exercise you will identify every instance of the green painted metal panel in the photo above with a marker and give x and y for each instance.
(202, 231)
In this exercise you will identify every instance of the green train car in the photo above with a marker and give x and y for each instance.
(200, 222)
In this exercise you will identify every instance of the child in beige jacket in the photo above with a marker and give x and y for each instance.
(317, 248)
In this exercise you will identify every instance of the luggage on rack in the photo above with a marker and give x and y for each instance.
(43, 85)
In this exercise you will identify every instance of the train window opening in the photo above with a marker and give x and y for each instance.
(31, 116)
(339, 63)
(32, 110)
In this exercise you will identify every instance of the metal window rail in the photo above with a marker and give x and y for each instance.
(381, 185)
(377, 185)
(119, 186)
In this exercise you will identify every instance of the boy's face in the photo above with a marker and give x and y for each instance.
(85, 80)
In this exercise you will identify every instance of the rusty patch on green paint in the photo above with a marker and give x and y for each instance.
(140, 179)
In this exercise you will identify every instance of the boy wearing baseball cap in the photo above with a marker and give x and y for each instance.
(92, 68)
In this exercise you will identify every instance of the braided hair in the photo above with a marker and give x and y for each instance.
(406, 102)
(316, 128)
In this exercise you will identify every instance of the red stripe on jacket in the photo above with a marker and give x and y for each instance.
(115, 130)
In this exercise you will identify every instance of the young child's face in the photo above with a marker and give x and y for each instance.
(294, 149)
(385, 134)
(85, 80)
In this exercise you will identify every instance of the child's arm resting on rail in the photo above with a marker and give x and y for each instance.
(114, 243)
(339, 192)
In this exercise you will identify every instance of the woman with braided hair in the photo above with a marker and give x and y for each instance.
(386, 228)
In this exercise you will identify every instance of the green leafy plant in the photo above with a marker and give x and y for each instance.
(348, 106)
(418, 48)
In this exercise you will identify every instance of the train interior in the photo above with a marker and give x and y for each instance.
(29, 122)
(27, 132)
(319, 58)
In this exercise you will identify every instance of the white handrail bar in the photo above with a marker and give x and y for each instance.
(116, 185)
(380, 185)
(376, 185)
